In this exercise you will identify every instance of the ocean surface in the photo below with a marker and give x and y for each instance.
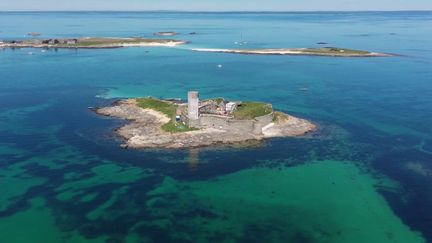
(365, 176)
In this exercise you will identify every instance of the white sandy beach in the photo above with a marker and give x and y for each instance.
(290, 51)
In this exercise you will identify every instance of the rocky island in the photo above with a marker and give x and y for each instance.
(324, 51)
(166, 33)
(156, 123)
(89, 43)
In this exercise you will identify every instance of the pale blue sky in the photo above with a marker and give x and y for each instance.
(216, 5)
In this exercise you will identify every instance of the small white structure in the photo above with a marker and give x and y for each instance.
(230, 107)
(71, 41)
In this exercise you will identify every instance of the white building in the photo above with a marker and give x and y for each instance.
(230, 107)
(71, 41)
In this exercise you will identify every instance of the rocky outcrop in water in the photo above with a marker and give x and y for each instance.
(144, 129)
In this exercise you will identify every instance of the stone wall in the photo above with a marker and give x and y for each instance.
(227, 123)
(214, 121)
(262, 121)
(246, 126)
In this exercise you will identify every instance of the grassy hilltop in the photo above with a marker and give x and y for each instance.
(168, 109)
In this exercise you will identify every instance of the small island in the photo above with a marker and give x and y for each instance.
(324, 51)
(156, 123)
(166, 33)
(89, 43)
(34, 34)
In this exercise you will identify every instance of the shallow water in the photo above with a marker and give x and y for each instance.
(366, 175)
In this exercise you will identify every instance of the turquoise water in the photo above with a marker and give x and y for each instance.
(365, 176)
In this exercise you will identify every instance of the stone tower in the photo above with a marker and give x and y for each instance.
(193, 105)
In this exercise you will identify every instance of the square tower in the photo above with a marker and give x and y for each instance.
(193, 105)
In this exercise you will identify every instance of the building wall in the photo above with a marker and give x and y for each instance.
(262, 121)
(248, 126)
(214, 121)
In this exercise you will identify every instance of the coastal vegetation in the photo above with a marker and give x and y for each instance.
(158, 125)
(335, 50)
(251, 110)
(323, 51)
(89, 42)
(112, 41)
(167, 108)
(158, 105)
(280, 117)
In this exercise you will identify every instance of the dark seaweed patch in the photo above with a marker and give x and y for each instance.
(428, 146)
(412, 205)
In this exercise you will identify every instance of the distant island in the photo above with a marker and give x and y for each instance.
(89, 42)
(157, 123)
(116, 42)
(166, 33)
(323, 51)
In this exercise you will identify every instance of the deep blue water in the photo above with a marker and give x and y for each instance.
(373, 112)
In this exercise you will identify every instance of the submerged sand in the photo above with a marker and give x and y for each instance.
(144, 129)
(322, 201)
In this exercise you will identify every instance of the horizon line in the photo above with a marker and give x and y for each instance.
(218, 11)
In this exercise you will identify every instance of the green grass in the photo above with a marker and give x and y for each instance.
(174, 127)
(251, 110)
(158, 105)
(113, 41)
(168, 109)
(335, 50)
(280, 117)
(95, 42)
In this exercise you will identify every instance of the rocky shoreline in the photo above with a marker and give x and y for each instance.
(144, 129)
(91, 43)
(332, 52)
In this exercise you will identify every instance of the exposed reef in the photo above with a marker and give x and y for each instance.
(145, 129)
(324, 51)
